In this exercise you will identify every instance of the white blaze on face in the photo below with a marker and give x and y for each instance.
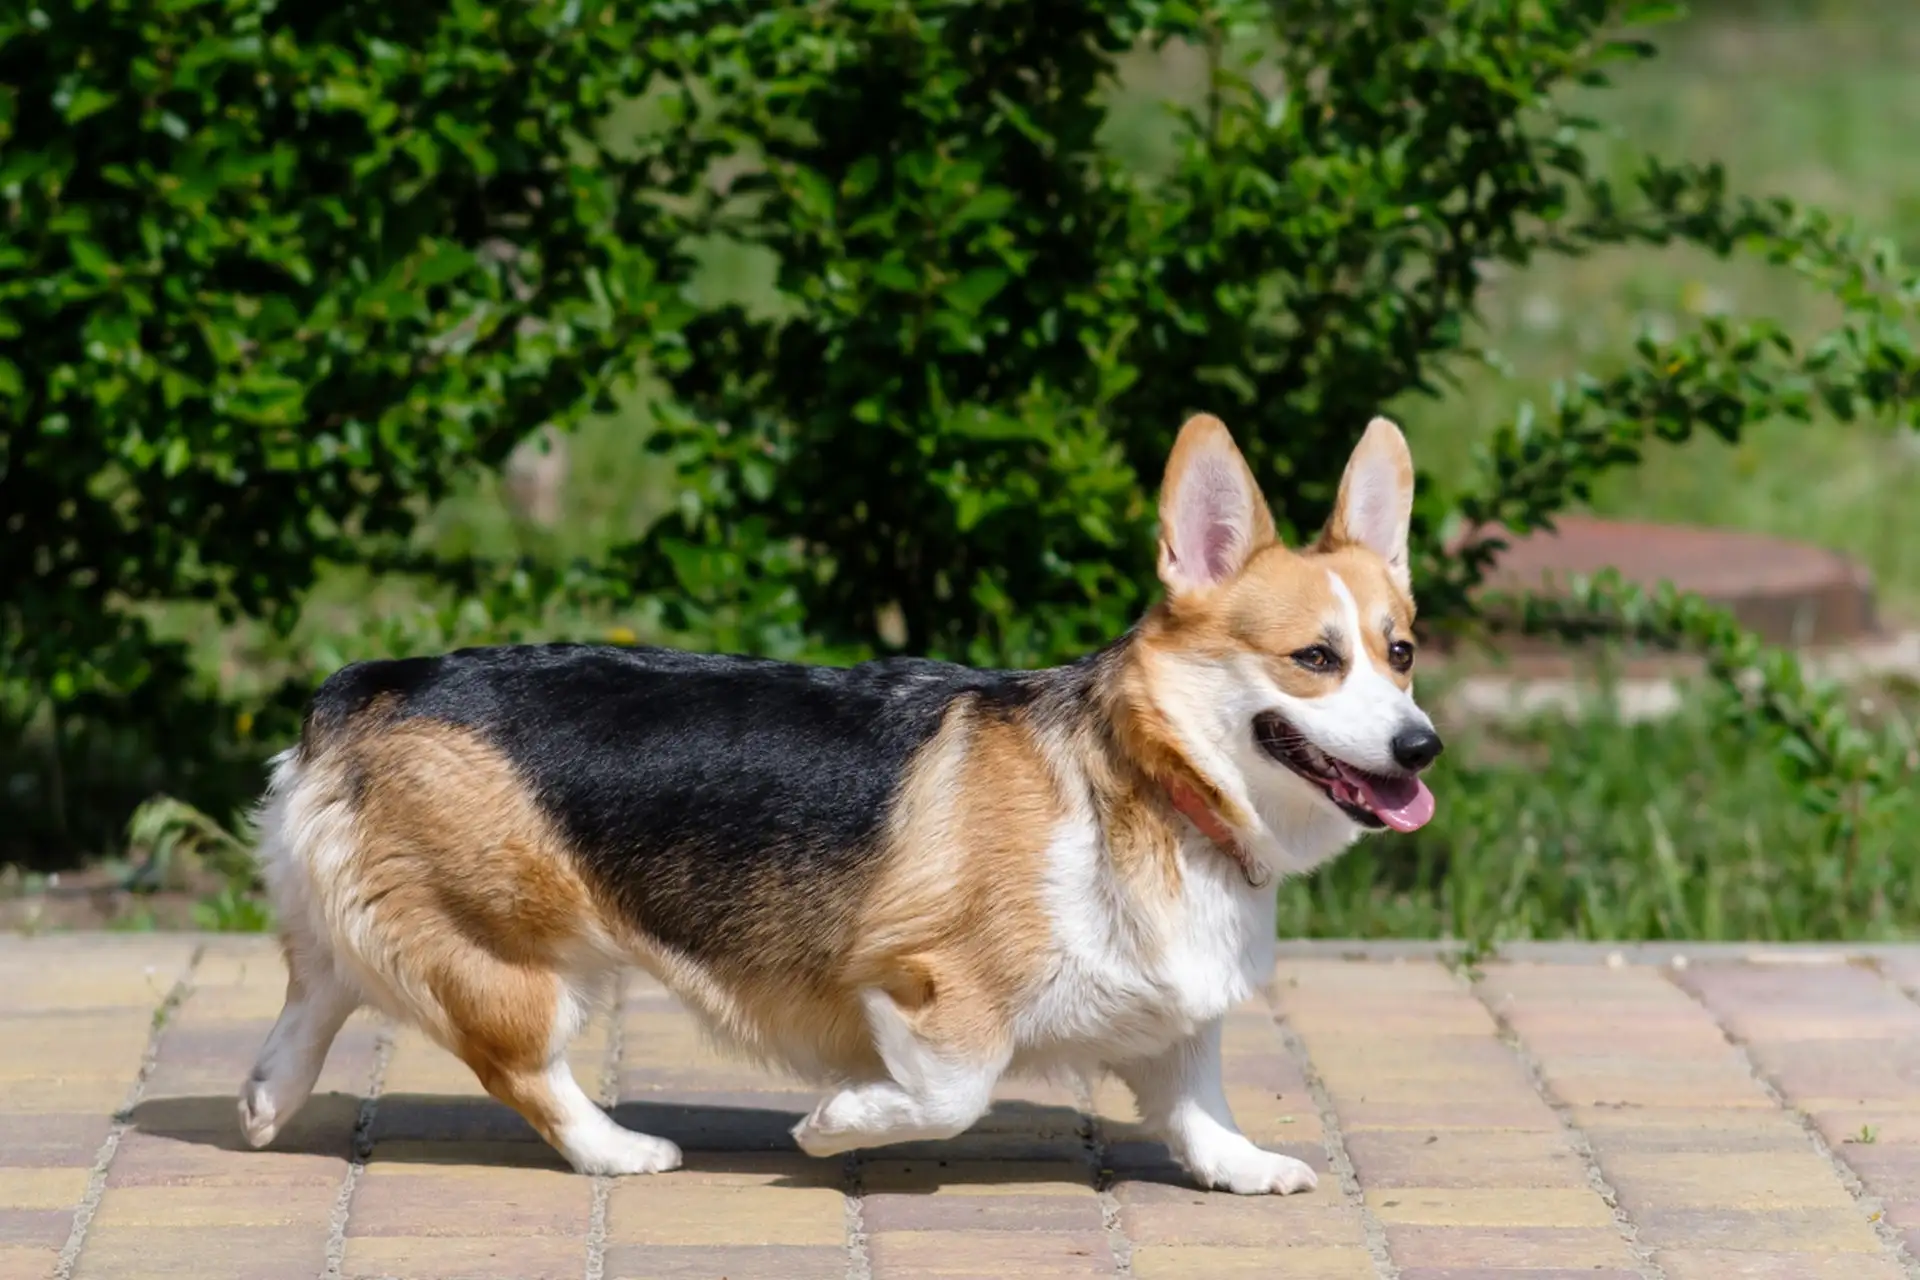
(1357, 723)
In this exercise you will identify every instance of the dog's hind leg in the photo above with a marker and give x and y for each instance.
(293, 823)
(511, 1025)
(318, 1004)
(932, 1091)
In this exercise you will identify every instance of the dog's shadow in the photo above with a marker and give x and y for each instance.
(1018, 1141)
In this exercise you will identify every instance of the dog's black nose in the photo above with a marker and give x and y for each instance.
(1415, 748)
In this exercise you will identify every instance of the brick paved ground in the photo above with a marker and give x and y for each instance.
(1560, 1114)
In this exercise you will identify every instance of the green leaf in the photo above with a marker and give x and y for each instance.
(975, 290)
(85, 101)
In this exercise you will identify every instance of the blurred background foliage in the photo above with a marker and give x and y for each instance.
(865, 328)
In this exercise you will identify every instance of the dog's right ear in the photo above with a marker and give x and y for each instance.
(1212, 515)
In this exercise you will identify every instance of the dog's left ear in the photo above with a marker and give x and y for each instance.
(1375, 506)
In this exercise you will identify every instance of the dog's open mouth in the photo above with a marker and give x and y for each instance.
(1400, 801)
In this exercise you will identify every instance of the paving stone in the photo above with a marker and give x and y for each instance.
(1529, 1273)
(1515, 1112)
(1489, 1207)
(1465, 1169)
(63, 975)
(727, 1168)
(42, 1226)
(1465, 1158)
(1903, 1215)
(27, 1262)
(1784, 1231)
(1873, 1070)
(469, 1200)
(184, 1164)
(1738, 1264)
(1691, 1130)
(1244, 1221)
(1217, 1262)
(632, 1262)
(661, 1211)
(190, 1251)
(1677, 1180)
(1697, 1150)
(1457, 1152)
(888, 1212)
(975, 1178)
(1509, 1248)
(941, 1253)
(1890, 1171)
(1866, 1125)
(462, 1258)
(41, 1188)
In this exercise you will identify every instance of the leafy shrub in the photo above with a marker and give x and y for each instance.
(277, 275)
(990, 328)
(273, 275)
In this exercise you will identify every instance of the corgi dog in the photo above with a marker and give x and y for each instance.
(903, 879)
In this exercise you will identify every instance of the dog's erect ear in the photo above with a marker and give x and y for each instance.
(1375, 505)
(1212, 517)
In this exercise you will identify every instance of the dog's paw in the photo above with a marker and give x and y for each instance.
(623, 1152)
(259, 1117)
(1247, 1170)
(815, 1141)
(827, 1131)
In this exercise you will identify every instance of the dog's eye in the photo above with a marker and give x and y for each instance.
(1317, 657)
(1400, 654)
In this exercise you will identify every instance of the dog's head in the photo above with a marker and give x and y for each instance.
(1287, 674)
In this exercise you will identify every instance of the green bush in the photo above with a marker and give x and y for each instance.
(280, 275)
(273, 277)
(271, 269)
(989, 328)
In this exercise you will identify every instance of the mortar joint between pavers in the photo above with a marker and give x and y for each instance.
(83, 1212)
(1093, 1138)
(853, 1193)
(1890, 1240)
(607, 1094)
(1335, 1143)
(1576, 1137)
(359, 1151)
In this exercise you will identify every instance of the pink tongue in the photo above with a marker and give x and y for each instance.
(1404, 804)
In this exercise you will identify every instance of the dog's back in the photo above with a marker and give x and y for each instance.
(709, 798)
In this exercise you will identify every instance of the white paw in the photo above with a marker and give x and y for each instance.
(849, 1120)
(818, 1136)
(624, 1152)
(259, 1118)
(1247, 1170)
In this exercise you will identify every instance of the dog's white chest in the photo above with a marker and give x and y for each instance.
(1130, 980)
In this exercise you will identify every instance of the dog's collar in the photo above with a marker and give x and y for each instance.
(1201, 814)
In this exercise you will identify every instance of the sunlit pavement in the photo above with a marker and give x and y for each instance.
(1560, 1112)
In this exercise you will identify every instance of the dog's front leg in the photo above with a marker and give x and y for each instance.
(1182, 1102)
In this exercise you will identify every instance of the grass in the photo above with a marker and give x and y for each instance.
(1592, 828)
(1817, 103)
